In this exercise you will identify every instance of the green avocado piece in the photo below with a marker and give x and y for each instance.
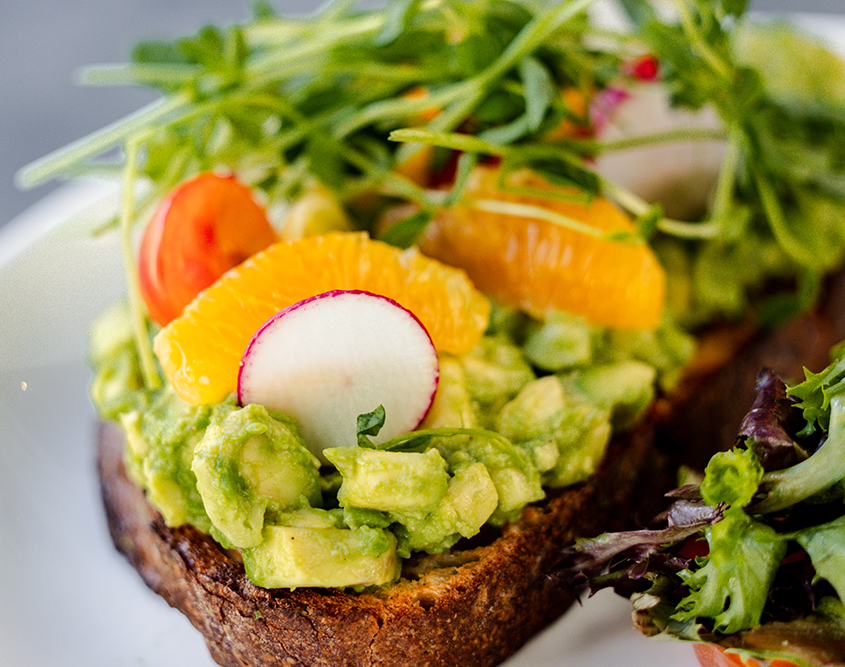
(581, 436)
(562, 341)
(295, 556)
(389, 481)
(495, 370)
(250, 462)
(562, 429)
(527, 416)
(160, 448)
(626, 388)
(469, 502)
(514, 475)
(452, 406)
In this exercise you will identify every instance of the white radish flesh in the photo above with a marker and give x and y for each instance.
(679, 175)
(334, 356)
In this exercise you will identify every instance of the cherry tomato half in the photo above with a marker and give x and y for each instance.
(710, 655)
(205, 226)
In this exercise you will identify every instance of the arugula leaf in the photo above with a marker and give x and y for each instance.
(369, 424)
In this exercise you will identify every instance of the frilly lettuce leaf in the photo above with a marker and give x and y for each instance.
(733, 582)
(731, 477)
(816, 392)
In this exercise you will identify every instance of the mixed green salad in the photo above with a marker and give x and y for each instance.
(750, 558)
(343, 100)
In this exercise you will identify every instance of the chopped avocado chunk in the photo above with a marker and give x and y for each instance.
(389, 481)
(626, 388)
(562, 341)
(564, 433)
(452, 406)
(514, 475)
(495, 371)
(294, 556)
(250, 462)
(161, 447)
(528, 415)
(469, 502)
(581, 436)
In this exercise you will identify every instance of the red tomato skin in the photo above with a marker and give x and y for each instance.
(710, 655)
(204, 227)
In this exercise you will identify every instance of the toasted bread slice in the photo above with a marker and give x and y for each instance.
(478, 603)
(472, 606)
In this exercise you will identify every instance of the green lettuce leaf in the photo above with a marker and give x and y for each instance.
(733, 584)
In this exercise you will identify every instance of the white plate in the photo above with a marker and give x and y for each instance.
(68, 598)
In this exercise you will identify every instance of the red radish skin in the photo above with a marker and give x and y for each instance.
(331, 357)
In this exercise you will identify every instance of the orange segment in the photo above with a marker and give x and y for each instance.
(540, 266)
(201, 349)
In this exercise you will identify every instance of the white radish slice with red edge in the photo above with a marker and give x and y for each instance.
(334, 356)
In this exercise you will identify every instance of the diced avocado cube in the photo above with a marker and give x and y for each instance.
(625, 387)
(581, 435)
(294, 556)
(249, 462)
(470, 500)
(529, 414)
(563, 341)
(472, 496)
(452, 405)
(516, 479)
(389, 481)
(495, 371)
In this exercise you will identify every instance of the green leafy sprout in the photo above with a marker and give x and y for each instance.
(284, 101)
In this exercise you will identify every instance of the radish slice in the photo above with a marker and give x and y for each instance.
(678, 175)
(334, 356)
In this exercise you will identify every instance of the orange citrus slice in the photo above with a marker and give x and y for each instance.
(200, 350)
(515, 251)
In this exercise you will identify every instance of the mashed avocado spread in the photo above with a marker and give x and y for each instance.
(533, 406)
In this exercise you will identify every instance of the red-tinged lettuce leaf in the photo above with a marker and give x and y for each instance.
(770, 427)
(622, 559)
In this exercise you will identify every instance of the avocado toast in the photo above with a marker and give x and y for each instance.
(548, 402)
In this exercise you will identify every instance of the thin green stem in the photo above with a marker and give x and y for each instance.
(58, 162)
(699, 43)
(136, 302)
(773, 209)
(631, 202)
(143, 74)
(671, 136)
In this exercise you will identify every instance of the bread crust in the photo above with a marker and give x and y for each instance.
(473, 606)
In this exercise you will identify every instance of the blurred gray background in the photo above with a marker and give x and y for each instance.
(44, 43)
